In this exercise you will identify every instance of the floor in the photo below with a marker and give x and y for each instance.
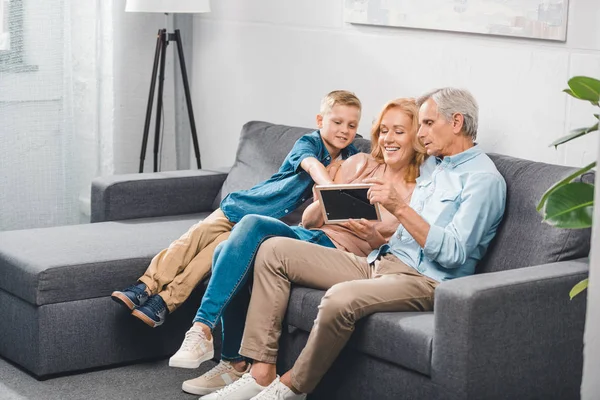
(152, 380)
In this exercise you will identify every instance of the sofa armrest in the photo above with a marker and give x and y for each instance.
(129, 196)
(511, 334)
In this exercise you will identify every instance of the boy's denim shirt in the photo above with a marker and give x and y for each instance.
(288, 188)
(462, 198)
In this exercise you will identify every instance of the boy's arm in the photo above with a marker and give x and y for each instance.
(312, 217)
(343, 172)
(316, 170)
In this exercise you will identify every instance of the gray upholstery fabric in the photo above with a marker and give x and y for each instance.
(404, 339)
(52, 265)
(71, 336)
(261, 151)
(530, 241)
(512, 334)
(158, 194)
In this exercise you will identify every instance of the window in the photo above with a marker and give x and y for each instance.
(4, 32)
(11, 37)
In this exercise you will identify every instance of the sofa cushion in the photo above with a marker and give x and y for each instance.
(402, 338)
(261, 151)
(52, 265)
(522, 239)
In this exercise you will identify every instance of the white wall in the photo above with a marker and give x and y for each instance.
(133, 42)
(274, 59)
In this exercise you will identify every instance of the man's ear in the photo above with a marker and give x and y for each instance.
(319, 121)
(458, 121)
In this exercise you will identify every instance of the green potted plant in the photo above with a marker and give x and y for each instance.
(569, 204)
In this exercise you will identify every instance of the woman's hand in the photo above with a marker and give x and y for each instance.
(366, 231)
(385, 194)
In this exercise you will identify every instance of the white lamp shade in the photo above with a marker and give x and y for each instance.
(168, 6)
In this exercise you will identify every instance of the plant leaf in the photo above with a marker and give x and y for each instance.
(574, 135)
(562, 183)
(570, 93)
(578, 288)
(585, 88)
(570, 206)
(597, 116)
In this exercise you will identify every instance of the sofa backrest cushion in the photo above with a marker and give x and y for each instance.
(523, 239)
(261, 151)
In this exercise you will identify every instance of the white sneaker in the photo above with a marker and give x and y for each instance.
(244, 388)
(278, 391)
(217, 378)
(194, 350)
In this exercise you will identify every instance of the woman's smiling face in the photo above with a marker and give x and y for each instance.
(396, 138)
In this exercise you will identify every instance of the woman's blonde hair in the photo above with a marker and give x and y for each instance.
(409, 107)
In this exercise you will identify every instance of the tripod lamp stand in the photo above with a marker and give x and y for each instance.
(162, 41)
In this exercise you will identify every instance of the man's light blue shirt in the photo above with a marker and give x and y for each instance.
(462, 198)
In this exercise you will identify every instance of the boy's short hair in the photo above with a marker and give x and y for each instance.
(339, 97)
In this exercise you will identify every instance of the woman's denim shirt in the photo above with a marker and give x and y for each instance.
(288, 188)
(462, 197)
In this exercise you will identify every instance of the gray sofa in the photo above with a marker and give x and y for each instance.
(508, 332)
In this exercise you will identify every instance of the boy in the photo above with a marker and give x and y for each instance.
(175, 271)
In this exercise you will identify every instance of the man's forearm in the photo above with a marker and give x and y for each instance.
(413, 223)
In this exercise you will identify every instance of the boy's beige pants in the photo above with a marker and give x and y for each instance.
(355, 289)
(174, 272)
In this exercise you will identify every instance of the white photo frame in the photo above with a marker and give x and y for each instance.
(339, 203)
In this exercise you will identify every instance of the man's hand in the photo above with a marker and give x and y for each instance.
(385, 194)
(366, 231)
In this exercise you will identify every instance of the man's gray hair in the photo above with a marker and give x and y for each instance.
(451, 101)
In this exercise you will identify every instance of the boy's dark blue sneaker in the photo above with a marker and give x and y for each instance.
(132, 297)
(153, 312)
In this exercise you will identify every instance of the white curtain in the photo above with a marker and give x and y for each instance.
(50, 95)
(73, 95)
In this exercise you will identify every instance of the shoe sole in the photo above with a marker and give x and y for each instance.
(123, 300)
(145, 319)
(200, 391)
(191, 364)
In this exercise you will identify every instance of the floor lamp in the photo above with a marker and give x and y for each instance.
(163, 39)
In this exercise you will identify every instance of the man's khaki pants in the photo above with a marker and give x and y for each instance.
(175, 271)
(355, 290)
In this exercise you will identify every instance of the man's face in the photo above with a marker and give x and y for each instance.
(437, 135)
(338, 127)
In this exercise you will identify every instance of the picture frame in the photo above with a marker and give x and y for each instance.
(533, 19)
(341, 202)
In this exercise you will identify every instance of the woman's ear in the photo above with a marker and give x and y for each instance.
(319, 121)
